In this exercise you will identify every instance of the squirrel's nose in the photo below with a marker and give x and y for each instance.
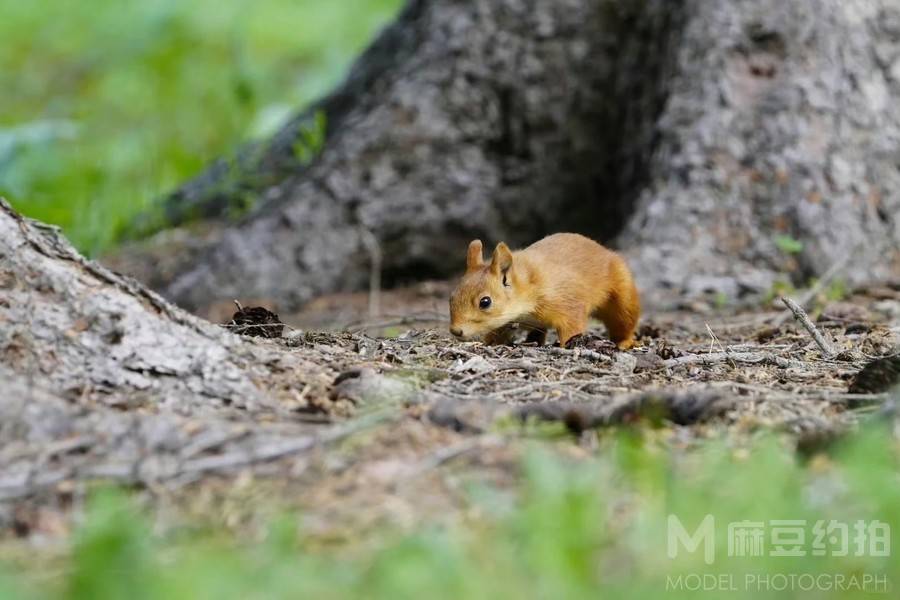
(456, 331)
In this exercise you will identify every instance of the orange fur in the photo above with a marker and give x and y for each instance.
(556, 283)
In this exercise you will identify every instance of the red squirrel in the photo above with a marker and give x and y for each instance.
(555, 283)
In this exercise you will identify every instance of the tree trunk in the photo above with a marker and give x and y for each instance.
(717, 143)
(95, 336)
(779, 126)
(102, 379)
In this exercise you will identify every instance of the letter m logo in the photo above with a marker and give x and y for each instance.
(705, 534)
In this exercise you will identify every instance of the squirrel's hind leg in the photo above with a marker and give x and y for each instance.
(620, 314)
(571, 327)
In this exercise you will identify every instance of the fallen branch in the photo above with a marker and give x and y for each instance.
(577, 352)
(800, 315)
(714, 358)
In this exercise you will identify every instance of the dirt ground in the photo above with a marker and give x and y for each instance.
(410, 417)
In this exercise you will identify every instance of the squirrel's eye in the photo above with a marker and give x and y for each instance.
(484, 303)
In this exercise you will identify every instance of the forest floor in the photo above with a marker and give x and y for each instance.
(696, 375)
(411, 419)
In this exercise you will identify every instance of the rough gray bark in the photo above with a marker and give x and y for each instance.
(95, 336)
(704, 128)
(49, 439)
(503, 119)
(102, 379)
(780, 120)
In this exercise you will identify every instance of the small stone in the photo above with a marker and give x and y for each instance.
(648, 361)
(624, 363)
(366, 387)
(476, 364)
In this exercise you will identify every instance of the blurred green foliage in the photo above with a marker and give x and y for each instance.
(837, 290)
(587, 529)
(788, 244)
(109, 104)
(781, 287)
(311, 138)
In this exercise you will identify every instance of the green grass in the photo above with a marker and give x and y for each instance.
(788, 244)
(590, 529)
(109, 104)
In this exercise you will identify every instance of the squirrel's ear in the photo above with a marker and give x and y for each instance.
(501, 261)
(474, 258)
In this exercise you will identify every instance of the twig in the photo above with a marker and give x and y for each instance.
(720, 357)
(575, 353)
(375, 259)
(539, 385)
(800, 315)
(713, 339)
